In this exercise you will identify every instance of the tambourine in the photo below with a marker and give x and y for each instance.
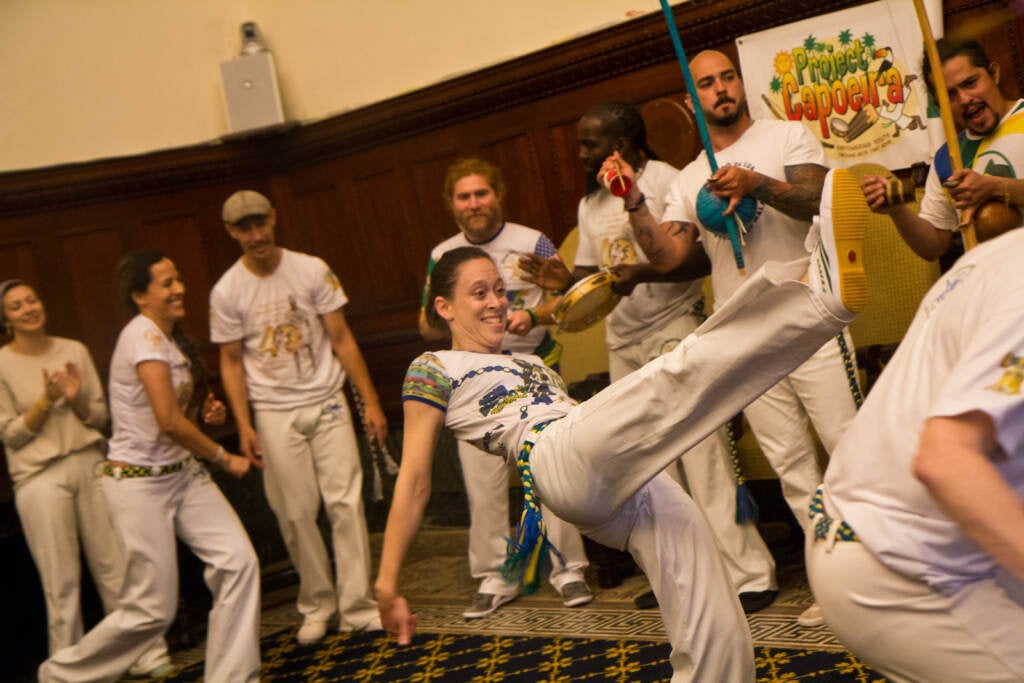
(586, 303)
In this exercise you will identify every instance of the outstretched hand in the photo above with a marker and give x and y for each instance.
(547, 273)
(397, 619)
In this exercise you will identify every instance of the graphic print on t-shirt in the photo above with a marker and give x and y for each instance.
(287, 336)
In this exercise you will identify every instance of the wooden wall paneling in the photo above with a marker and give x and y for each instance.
(431, 220)
(393, 271)
(16, 261)
(554, 225)
(90, 255)
(525, 196)
(568, 168)
(316, 224)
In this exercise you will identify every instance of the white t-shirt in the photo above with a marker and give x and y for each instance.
(767, 147)
(287, 353)
(963, 352)
(1000, 153)
(607, 239)
(137, 439)
(489, 400)
(505, 248)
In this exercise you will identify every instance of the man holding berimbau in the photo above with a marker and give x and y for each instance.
(991, 150)
(777, 169)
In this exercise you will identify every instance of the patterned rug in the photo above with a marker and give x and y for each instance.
(527, 639)
(442, 658)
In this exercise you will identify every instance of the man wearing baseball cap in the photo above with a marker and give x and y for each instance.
(286, 350)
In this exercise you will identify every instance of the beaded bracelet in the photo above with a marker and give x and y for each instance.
(220, 455)
(533, 317)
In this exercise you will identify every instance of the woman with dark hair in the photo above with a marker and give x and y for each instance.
(599, 464)
(52, 409)
(157, 489)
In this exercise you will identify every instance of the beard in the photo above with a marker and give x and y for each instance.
(482, 225)
(590, 184)
(726, 120)
(723, 120)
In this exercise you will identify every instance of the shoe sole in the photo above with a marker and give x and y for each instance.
(850, 215)
(576, 602)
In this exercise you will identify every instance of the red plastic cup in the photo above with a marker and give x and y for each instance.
(617, 183)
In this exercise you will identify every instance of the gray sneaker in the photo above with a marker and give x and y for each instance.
(576, 593)
(485, 603)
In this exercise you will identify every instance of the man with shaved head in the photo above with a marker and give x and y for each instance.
(777, 168)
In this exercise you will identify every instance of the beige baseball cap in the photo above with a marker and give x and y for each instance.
(243, 204)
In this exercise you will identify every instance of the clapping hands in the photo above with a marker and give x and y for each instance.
(65, 383)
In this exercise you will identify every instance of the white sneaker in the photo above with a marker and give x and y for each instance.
(811, 617)
(836, 269)
(311, 631)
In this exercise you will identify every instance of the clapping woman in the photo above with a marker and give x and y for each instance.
(52, 409)
(158, 490)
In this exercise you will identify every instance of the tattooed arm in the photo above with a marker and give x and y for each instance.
(667, 245)
(797, 196)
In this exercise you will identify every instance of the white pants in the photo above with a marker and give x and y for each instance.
(60, 507)
(486, 477)
(818, 390)
(909, 632)
(589, 467)
(148, 512)
(706, 470)
(310, 453)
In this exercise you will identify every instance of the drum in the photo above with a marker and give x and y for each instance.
(587, 302)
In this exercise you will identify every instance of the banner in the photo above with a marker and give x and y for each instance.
(853, 78)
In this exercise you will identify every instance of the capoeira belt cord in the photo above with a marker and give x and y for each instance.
(379, 453)
(851, 371)
(823, 523)
(746, 506)
(529, 552)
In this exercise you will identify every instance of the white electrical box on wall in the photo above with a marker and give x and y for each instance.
(251, 95)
